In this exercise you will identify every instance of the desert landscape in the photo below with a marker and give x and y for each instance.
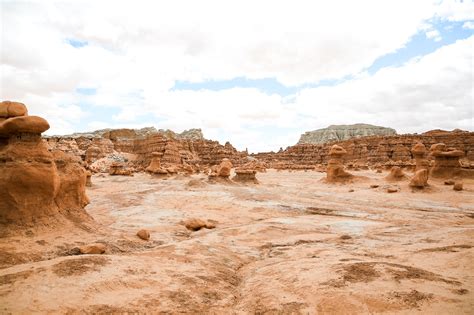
(237, 157)
(148, 221)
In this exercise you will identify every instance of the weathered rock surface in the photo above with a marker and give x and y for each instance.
(38, 188)
(343, 132)
(446, 164)
(181, 151)
(420, 179)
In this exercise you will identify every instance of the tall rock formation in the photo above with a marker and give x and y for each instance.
(343, 132)
(38, 188)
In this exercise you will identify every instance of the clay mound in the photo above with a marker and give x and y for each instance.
(38, 189)
(396, 174)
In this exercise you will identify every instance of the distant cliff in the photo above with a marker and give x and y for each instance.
(113, 134)
(344, 132)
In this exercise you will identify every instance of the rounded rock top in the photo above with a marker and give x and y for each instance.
(12, 109)
(24, 124)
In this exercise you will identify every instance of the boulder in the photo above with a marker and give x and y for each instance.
(10, 109)
(458, 186)
(197, 224)
(144, 234)
(93, 249)
(224, 168)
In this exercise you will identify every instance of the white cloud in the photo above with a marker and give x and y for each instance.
(434, 35)
(137, 50)
(468, 25)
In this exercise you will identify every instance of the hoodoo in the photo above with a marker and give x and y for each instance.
(38, 188)
(335, 169)
(446, 164)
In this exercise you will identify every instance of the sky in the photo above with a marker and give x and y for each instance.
(255, 73)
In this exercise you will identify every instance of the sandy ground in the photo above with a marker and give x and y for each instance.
(290, 245)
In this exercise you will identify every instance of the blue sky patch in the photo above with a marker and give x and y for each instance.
(76, 43)
(419, 45)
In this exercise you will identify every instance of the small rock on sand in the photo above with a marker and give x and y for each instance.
(457, 186)
(95, 248)
(144, 234)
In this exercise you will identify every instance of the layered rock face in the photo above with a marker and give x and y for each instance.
(343, 132)
(446, 164)
(186, 152)
(37, 187)
(374, 151)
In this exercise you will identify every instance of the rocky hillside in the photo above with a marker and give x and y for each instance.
(114, 134)
(343, 132)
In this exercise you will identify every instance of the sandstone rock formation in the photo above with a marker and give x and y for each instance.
(197, 224)
(174, 150)
(374, 151)
(420, 179)
(419, 153)
(155, 166)
(343, 132)
(446, 164)
(245, 175)
(119, 169)
(221, 172)
(37, 188)
(396, 174)
(224, 168)
(93, 249)
(335, 170)
(144, 234)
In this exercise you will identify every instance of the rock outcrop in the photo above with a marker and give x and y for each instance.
(374, 151)
(155, 166)
(446, 164)
(119, 169)
(343, 132)
(38, 188)
(245, 175)
(182, 152)
(335, 170)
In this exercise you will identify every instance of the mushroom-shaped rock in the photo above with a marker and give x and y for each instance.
(419, 153)
(335, 170)
(446, 164)
(24, 124)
